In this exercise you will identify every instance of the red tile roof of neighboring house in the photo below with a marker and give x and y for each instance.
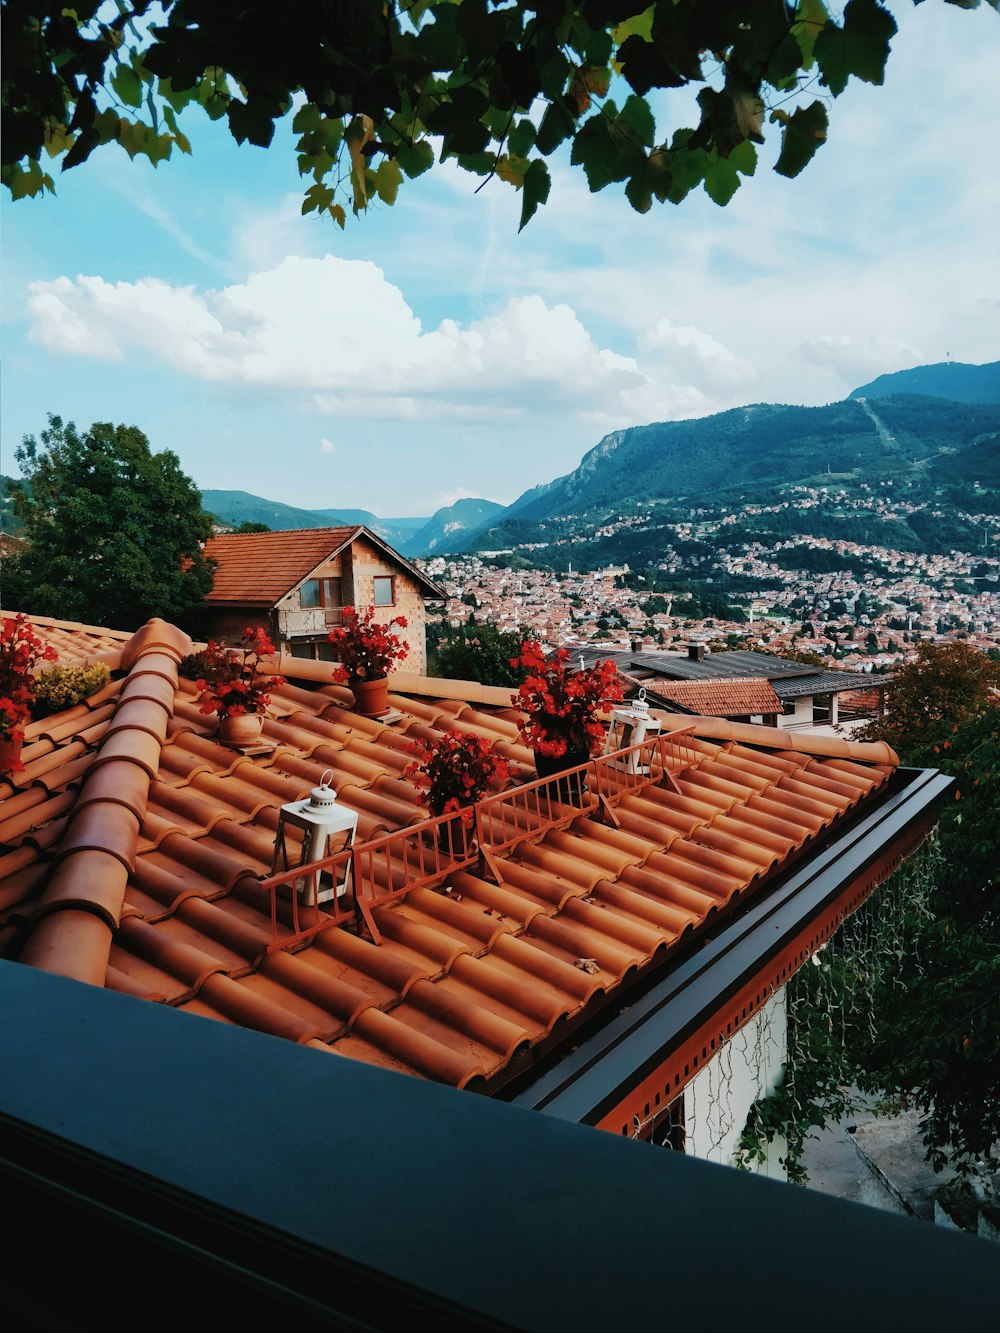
(259, 568)
(719, 698)
(133, 847)
(78, 644)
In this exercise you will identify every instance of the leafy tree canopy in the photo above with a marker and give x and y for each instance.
(114, 531)
(483, 653)
(938, 1041)
(381, 91)
(943, 686)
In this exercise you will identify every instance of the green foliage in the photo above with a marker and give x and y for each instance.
(904, 1006)
(498, 88)
(835, 1016)
(63, 686)
(929, 698)
(249, 526)
(114, 531)
(483, 653)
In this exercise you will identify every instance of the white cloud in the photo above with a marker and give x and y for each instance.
(344, 339)
(326, 446)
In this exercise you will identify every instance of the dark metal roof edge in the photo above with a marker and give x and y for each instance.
(156, 1164)
(594, 1076)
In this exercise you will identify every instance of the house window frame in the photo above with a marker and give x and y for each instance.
(382, 578)
(326, 592)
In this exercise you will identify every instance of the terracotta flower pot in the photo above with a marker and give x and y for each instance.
(371, 697)
(240, 728)
(10, 753)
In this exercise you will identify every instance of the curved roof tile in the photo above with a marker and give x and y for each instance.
(471, 974)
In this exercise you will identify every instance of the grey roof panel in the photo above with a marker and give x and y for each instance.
(724, 666)
(825, 682)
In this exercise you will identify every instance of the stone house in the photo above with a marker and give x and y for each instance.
(296, 583)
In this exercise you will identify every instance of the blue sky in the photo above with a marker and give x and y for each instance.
(429, 351)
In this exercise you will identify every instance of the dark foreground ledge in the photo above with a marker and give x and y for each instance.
(161, 1170)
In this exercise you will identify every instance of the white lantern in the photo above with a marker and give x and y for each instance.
(631, 724)
(328, 829)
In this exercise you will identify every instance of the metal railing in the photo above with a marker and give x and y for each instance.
(373, 874)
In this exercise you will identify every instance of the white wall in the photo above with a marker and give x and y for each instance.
(719, 1097)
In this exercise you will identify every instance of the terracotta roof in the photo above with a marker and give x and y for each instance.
(718, 698)
(133, 846)
(259, 568)
(78, 644)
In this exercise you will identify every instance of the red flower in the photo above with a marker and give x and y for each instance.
(21, 650)
(456, 770)
(367, 649)
(562, 704)
(233, 682)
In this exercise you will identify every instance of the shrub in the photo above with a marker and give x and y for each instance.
(63, 686)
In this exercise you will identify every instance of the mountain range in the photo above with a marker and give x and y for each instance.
(928, 431)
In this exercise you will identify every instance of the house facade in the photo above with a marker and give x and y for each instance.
(295, 585)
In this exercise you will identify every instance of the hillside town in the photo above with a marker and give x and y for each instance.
(865, 617)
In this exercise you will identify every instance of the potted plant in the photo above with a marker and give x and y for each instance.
(456, 770)
(20, 652)
(234, 686)
(561, 706)
(367, 650)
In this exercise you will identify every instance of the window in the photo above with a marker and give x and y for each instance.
(821, 708)
(320, 592)
(385, 590)
(788, 707)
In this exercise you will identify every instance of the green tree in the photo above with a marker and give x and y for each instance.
(937, 1041)
(385, 92)
(483, 653)
(905, 1007)
(114, 531)
(248, 525)
(943, 686)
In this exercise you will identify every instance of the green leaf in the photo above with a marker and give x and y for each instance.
(537, 184)
(637, 115)
(722, 180)
(860, 47)
(803, 133)
(811, 17)
(415, 158)
(58, 139)
(557, 125)
(522, 137)
(317, 198)
(25, 182)
(250, 122)
(639, 193)
(639, 25)
(388, 179)
(127, 85)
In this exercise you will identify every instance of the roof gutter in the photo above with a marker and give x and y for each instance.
(660, 1041)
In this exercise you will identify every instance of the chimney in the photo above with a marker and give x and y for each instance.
(637, 645)
(696, 652)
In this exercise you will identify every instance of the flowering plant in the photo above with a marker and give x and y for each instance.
(456, 769)
(20, 652)
(233, 682)
(562, 704)
(366, 648)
